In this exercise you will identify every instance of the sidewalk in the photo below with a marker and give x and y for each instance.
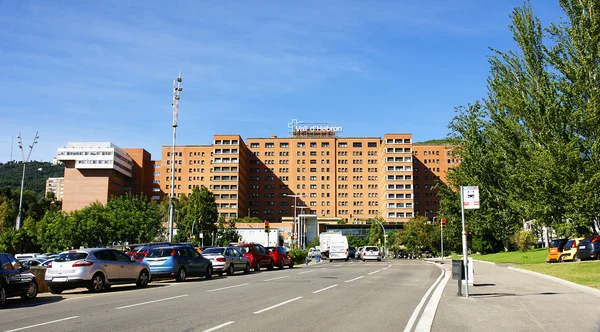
(503, 299)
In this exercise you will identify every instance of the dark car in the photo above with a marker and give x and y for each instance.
(15, 280)
(257, 255)
(351, 252)
(589, 248)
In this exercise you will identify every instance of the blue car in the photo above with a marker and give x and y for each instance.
(177, 262)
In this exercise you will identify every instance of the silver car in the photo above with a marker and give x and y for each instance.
(371, 252)
(96, 269)
(227, 260)
(358, 252)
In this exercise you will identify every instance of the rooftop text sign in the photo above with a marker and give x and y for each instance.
(307, 129)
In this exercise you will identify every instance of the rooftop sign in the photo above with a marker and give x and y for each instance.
(312, 129)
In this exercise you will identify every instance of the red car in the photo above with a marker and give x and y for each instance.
(281, 257)
(256, 254)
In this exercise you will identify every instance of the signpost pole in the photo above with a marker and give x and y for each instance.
(464, 241)
(442, 238)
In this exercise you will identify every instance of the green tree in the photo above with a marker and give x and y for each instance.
(226, 231)
(200, 211)
(375, 232)
(355, 241)
(132, 218)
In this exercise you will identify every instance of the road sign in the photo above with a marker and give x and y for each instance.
(471, 197)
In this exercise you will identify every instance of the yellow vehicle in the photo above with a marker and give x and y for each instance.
(555, 250)
(570, 251)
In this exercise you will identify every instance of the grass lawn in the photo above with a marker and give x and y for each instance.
(537, 256)
(583, 273)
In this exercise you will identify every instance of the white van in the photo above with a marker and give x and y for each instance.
(338, 249)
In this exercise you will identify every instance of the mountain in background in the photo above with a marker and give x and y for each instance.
(36, 174)
(443, 141)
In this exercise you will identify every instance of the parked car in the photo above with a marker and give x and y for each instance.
(139, 251)
(34, 262)
(281, 257)
(15, 280)
(96, 269)
(352, 252)
(589, 248)
(570, 250)
(227, 260)
(371, 252)
(358, 253)
(257, 255)
(21, 257)
(555, 250)
(178, 262)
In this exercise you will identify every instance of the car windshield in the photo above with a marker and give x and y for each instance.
(71, 256)
(371, 249)
(569, 244)
(271, 249)
(556, 243)
(162, 252)
(217, 251)
(243, 250)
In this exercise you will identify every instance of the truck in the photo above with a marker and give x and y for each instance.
(333, 246)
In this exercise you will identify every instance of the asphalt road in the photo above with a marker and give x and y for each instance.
(339, 296)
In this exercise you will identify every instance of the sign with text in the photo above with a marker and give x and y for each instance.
(470, 197)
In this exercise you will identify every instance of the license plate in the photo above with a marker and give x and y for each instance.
(552, 250)
(59, 279)
(581, 247)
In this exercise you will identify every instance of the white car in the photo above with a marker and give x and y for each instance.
(96, 269)
(371, 253)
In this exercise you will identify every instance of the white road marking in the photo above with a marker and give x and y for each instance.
(415, 313)
(374, 272)
(222, 288)
(324, 268)
(277, 305)
(326, 288)
(41, 324)
(218, 326)
(309, 271)
(276, 278)
(426, 320)
(138, 304)
(351, 280)
(390, 265)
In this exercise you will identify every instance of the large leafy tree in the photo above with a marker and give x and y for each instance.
(201, 212)
(133, 219)
(226, 231)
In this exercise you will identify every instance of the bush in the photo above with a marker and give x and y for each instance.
(298, 255)
(524, 240)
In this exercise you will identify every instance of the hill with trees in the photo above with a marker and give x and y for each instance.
(36, 174)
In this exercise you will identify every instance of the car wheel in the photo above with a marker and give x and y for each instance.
(209, 272)
(142, 279)
(32, 291)
(55, 290)
(272, 265)
(281, 264)
(257, 267)
(363, 260)
(379, 259)
(230, 270)
(562, 259)
(291, 264)
(247, 269)
(2, 296)
(331, 261)
(181, 274)
(576, 259)
(97, 283)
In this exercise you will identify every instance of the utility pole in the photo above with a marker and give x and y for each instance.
(176, 93)
(25, 160)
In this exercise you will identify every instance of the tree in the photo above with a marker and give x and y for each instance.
(376, 231)
(226, 231)
(419, 235)
(133, 219)
(200, 211)
(354, 241)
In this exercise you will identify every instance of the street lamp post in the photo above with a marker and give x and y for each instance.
(176, 93)
(295, 203)
(384, 235)
(301, 226)
(25, 160)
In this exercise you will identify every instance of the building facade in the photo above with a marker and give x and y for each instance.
(314, 172)
(56, 186)
(97, 171)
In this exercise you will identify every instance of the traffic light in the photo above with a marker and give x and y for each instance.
(267, 227)
(443, 224)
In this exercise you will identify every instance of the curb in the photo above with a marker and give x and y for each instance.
(485, 262)
(571, 284)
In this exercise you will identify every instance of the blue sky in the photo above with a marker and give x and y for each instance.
(103, 70)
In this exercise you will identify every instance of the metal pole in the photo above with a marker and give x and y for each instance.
(442, 239)
(176, 93)
(295, 227)
(25, 160)
(464, 243)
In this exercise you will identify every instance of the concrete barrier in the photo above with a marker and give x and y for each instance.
(40, 276)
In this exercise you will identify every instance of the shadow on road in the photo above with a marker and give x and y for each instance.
(16, 303)
(510, 294)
